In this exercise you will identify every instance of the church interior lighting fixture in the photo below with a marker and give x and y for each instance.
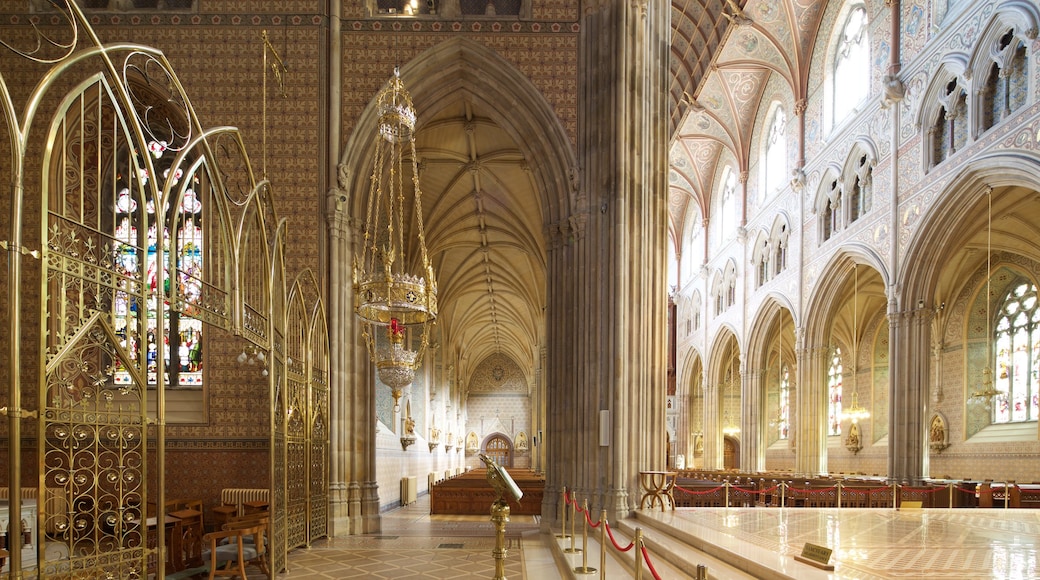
(854, 412)
(986, 390)
(779, 418)
(395, 293)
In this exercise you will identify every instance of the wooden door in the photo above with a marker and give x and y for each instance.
(730, 453)
(499, 450)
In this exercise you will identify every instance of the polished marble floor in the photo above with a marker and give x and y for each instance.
(414, 544)
(932, 544)
(867, 544)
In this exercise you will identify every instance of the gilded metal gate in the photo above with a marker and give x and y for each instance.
(126, 246)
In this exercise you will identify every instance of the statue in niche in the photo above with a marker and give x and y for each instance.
(698, 444)
(521, 441)
(408, 427)
(852, 442)
(937, 434)
(409, 423)
(471, 441)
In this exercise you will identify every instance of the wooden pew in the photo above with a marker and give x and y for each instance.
(470, 494)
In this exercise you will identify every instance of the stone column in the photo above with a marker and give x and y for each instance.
(538, 416)
(713, 439)
(607, 310)
(339, 404)
(683, 439)
(810, 434)
(753, 421)
(353, 492)
(909, 350)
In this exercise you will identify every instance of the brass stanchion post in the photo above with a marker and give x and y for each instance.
(783, 487)
(725, 491)
(839, 493)
(574, 515)
(499, 516)
(563, 514)
(951, 494)
(638, 549)
(584, 568)
(602, 543)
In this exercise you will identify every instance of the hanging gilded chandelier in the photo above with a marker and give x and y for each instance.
(986, 392)
(855, 412)
(395, 294)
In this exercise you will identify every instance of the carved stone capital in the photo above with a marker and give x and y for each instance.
(895, 90)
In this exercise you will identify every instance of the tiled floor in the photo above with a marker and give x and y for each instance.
(414, 544)
(870, 544)
(867, 544)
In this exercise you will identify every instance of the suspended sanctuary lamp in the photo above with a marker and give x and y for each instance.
(780, 418)
(986, 390)
(855, 412)
(395, 294)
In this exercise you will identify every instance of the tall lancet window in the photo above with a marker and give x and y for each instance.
(729, 206)
(1017, 341)
(776, 153)
(851, 66)
(784, 414)
(834, 383)
(182, 334)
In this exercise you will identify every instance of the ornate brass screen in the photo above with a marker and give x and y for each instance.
(141, 245)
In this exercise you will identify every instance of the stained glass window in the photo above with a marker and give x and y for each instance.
(1017, 343)
(834, 394)
(182, 335)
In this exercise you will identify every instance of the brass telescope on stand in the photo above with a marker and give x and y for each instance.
(503, 485)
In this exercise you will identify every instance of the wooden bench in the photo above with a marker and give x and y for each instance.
(471, 494)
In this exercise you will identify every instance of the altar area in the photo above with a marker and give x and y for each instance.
(30, 541)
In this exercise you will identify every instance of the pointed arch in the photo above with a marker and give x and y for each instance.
(458, 67)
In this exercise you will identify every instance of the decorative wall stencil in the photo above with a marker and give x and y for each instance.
(498, 373)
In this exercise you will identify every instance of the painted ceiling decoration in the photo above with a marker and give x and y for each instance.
(485, 233)
(728, 58)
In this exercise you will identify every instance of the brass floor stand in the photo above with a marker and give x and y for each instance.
(499, 517)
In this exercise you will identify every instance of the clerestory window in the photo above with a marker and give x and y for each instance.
(851, 76)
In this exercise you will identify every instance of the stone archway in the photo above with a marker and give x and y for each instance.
(500, 449)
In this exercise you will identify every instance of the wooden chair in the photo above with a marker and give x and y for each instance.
(190, 542)
(240, 544)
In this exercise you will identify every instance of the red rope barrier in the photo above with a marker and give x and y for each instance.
(616, 545)
(959, 488)
(588, 518)
(649, 564)
(691, 492)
